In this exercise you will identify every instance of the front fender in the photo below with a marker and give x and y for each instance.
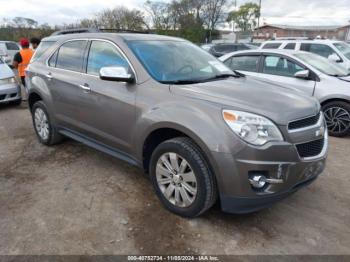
(203, 124)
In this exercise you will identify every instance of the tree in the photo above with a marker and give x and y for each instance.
(160, 13)
(213, 12)
(245, 17)
(23, 22)
(120, 18)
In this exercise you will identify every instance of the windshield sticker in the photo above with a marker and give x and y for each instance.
(218, 66)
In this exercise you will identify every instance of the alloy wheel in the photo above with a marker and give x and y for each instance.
(41, 123)
(176, 179)
(337, 119)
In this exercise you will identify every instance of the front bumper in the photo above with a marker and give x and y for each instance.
(9, 93)
(276, 161)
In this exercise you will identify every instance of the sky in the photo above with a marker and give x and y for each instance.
(295, 12)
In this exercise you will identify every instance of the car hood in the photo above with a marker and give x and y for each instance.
(5, 72)
(277, 103)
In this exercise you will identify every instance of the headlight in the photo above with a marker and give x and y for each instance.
(5, 81)
(254, 129)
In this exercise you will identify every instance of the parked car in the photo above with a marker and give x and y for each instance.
(335, 51)
(222, 49)
(207, 47)
(199, 130)
(307, 72)
(10, 91)
(9, 49)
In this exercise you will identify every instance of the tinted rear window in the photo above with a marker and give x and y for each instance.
(70, 55)
(272, 45)
(12, 46)
(245, 63)
(290, 46)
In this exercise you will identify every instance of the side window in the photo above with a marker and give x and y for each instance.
(275, 65)
(245, 63)
(70, 55)
(290, 46)
(272, 45)
(104, 54)
(41, 49)
(319, 49)
(53, 59)
(12, 46)
(228, 62)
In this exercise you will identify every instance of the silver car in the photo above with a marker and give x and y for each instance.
(10, 91)
(306, 72)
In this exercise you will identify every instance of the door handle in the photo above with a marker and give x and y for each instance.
(85, 88)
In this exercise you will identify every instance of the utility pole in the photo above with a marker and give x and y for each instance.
(259, 18)
(259, 13)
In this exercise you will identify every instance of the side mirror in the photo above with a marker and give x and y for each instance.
(304, 74)
(116, 73)
(334, 58)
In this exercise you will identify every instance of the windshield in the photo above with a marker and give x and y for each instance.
(344, 48)
(322, 64)
(178, 61)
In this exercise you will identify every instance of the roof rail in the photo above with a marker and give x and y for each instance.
(96, 30)
(111, 30)
(76, 31)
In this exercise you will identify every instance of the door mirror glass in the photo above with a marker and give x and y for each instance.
(334, 58)
(304, 74)
(116, 73)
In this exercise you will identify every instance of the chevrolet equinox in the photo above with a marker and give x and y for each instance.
(200, 130)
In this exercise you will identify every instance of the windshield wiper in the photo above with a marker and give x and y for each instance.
(223, 76)
(182, 82)
(201, 80)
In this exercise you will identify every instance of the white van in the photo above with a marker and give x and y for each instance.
(336, 51)
(8, 49)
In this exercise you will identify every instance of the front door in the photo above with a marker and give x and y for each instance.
(109, 106)
(279, 70)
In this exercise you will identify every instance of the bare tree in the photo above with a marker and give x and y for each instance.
(213, 13)
(120, 18)
(161, 14)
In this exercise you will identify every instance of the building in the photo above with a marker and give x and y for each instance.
(273, 31)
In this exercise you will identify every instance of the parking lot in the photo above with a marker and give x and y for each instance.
(71, 199)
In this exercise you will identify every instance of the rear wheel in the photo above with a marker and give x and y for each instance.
(181, 177)
(44, 129)
(337, 115)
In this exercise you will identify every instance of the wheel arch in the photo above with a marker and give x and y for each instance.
(334, 99)
(165, 131)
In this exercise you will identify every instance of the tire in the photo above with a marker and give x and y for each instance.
(337, 115)
(16, 102)
(51, 136)
(186, 204)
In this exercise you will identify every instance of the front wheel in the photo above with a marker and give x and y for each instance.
(337, 115)
(44, 129)
(181, 177)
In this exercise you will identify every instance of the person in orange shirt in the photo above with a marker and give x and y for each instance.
(22, 59)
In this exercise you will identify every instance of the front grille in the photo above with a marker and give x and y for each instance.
(310, 149)
(2, 97)
(305, 122)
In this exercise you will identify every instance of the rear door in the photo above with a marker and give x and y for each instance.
(280, 70)
(247, 64)
(64, 77)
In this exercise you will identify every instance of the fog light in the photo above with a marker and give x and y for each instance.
(258, 181)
